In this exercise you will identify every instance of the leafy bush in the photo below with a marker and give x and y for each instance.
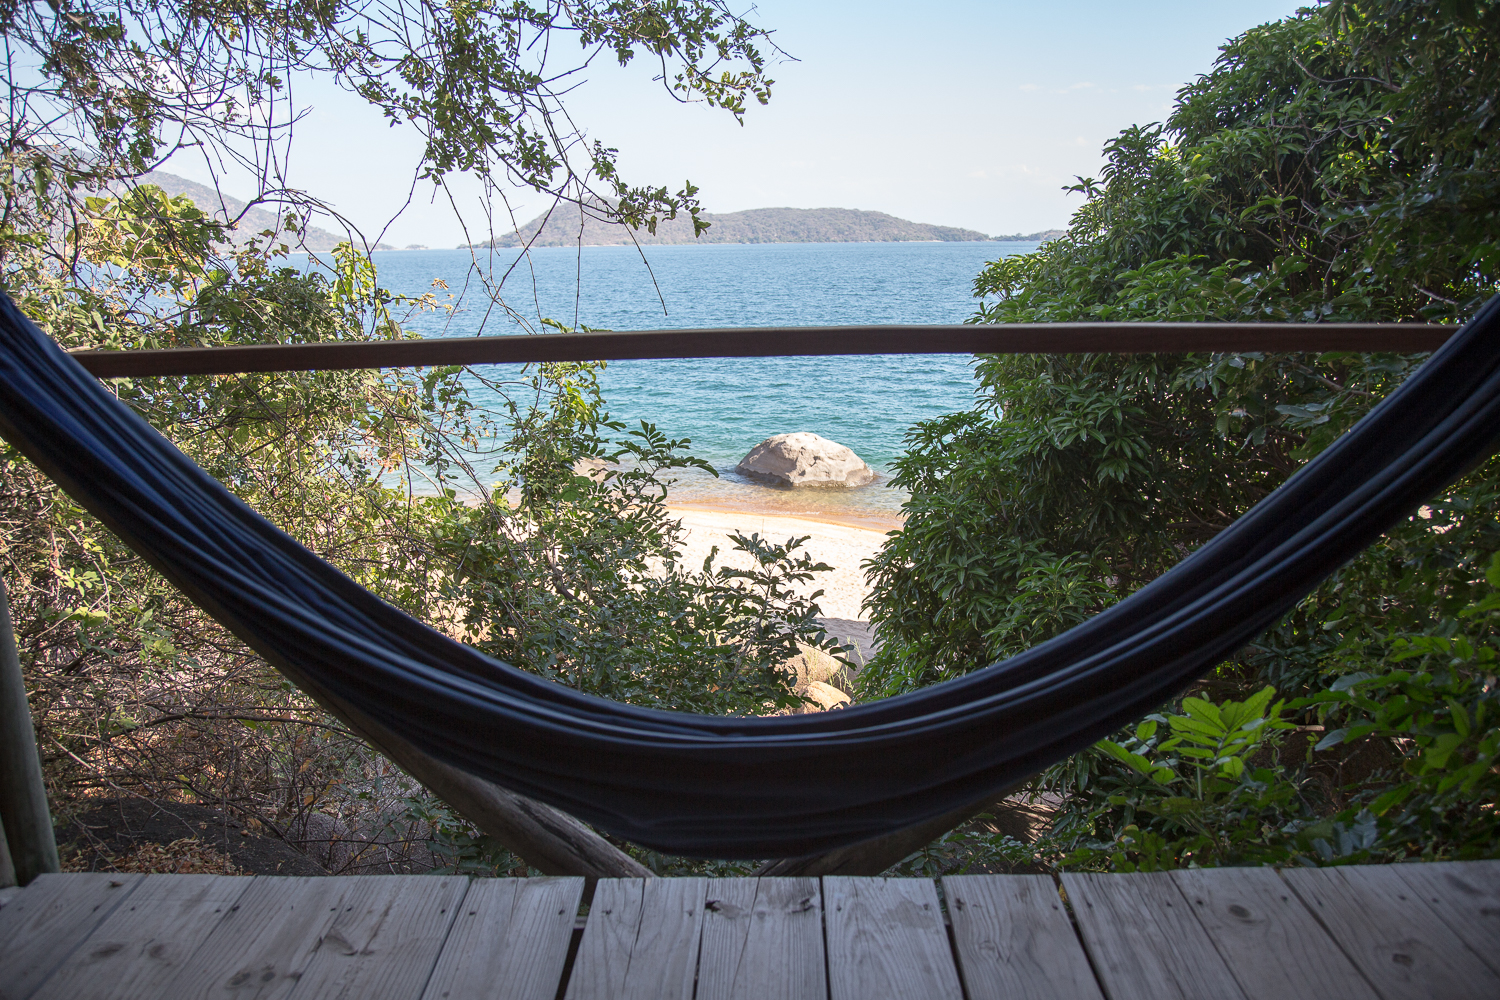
(1340, 164)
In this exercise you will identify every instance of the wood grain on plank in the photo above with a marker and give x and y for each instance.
(762, 940)
(264, 943)
(146, 939)
(886, 940)
(42, 925)
(1014, 939)
(385, 940)
(1271, 943)
(1466, 894)
(641, 940)
(1390, 933)
(1144, 940)
(509, 940)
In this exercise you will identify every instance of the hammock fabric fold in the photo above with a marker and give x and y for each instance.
(747, 787)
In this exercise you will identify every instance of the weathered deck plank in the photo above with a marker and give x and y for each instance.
(1144, 940)
(1272, 944)
(1466, 894)
(762, 940)
(385, 940)
(1014, 939)
(265, 942)
(1388, 931)
(509, 940)
(1354, 933)
(146, 939)
(886, 940)
(42, 924)
(641, 940)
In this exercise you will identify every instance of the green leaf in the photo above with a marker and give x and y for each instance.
(1435, 757)
(1330, 739)
(1459, 716)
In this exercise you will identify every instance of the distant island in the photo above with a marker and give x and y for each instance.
(569, 225)
(564, 226)
(1037, 237)
(252, 221)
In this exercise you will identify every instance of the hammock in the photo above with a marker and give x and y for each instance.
(747, 787)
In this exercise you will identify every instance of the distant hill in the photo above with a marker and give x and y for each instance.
(756, 225)
(1041, 237)
(251, 222)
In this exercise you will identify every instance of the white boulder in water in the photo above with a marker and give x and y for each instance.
(804, 459)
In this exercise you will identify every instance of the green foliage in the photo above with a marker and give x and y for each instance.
(102, 91)
(1076, 479)
(1080, 478)
(1211, 795)
(1434, 693)
(579, 577)
(1194, 798)
(1340, 164)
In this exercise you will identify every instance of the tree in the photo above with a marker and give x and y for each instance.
(1340, 164)
(133, 689)
(102, 91)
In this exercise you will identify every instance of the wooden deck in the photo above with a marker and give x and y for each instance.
(1403, 931)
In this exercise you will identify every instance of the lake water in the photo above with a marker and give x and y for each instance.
(728, 405)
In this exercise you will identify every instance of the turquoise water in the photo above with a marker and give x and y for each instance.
(728, 405)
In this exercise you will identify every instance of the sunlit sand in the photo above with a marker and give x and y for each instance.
(844, 546)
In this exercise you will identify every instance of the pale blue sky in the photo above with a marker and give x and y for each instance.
(968, 114)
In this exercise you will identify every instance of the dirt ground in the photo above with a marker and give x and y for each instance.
(139, 834)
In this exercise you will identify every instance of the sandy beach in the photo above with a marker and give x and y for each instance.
(842, 544)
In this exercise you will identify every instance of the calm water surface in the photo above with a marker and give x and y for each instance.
(728, 405)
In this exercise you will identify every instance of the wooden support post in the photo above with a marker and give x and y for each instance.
(548, 839)
(7, 870)
(23, 796)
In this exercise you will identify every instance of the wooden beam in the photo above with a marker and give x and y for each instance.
(548, 839)
(7, 870)
(777, 341)
(23, 795)
(1249, 914)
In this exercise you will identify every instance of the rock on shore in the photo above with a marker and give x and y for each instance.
(804, 459)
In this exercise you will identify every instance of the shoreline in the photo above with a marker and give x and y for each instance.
(878, 523)
(831, 539)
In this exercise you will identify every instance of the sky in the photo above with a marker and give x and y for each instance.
(971, 114)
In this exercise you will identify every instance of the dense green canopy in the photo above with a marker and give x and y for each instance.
(1341, 164)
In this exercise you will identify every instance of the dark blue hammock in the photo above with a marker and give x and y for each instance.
(747, 787)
